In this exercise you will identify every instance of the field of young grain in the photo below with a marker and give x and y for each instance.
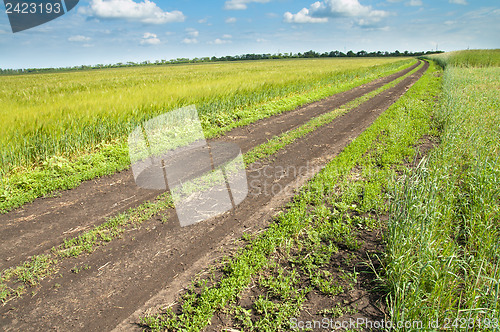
(13, 281)
(63, 128)
(48, 114)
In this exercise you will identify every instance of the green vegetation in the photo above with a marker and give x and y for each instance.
(61, 129)
(294, 255)
(443, 239)
(29, 274)
(469, 58)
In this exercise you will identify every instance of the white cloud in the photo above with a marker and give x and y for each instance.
(145, 12)
(192, 32)
(321, 11)
(303, 17)
(261, 40)
(415, 3)
(150, 39)
(240, 4)
(203, 21)
(79, 38)
(219, 41)
(459, 2)
(227, 36)
(190, 41)
(231, 20)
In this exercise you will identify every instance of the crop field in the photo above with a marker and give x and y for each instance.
(50, 120)
(373, 198)
(64, 113)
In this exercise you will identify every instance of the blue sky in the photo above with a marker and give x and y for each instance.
(111, 31)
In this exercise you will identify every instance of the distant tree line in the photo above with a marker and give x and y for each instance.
(244, 57)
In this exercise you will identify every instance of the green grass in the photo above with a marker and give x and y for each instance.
(469, 58)
(66, 128)
(326, 214)
(443, 238)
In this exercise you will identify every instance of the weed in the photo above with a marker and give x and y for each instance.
(338, 311)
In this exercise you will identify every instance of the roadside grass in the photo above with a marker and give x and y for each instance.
(29, 274)
(82, 134)
(115, 226)
(443, 238)
(292, 257)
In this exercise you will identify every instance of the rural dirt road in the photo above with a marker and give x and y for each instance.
(148, 265)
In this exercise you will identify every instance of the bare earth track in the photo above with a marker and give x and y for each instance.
(149, 265)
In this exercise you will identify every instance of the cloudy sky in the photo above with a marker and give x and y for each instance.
(111, 31)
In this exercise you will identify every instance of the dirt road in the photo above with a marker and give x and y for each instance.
(150, 264)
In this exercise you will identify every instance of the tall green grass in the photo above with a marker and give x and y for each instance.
(469, 58)
(443, 250)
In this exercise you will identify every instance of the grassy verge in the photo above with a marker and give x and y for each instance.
(68, 170)
(115, 226)
(443, 252)
(292, 257)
